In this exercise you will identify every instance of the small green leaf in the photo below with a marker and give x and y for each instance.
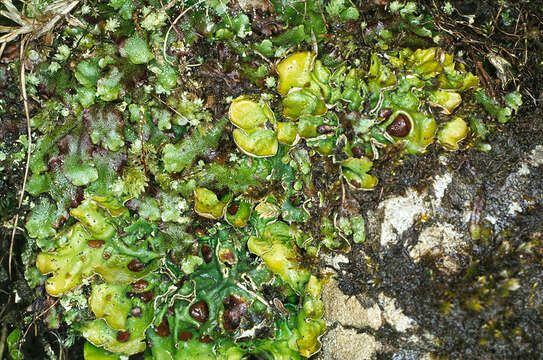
(12, 342)
(359, 229)
(350, 13)
(87, 73)
(42, 219)
(109, 86)
(79, 172)
(105, 124)
(136, 50)
(38, 184)
(91, 352)
(167, 79)
(513, 100)
(85, 96)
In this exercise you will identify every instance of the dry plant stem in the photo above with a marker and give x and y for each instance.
(142, 141)
(36, 27)
(171, 27)
(3, 339)
(487, 83)
(15, 221)
(33, 321)
(29, 146)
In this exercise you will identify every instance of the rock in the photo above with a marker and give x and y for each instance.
(399, 215)
(334, 261)
(348, 344)
(442, 242)
(536, 156)
(348, 311)
(395, 316)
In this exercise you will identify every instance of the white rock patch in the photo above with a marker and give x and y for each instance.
(400, 213)
(536, 156)
(440, 185)
(441, 241)
(347, 310)
(395, 316)
(334, 261)
(348, 344)
(514, 209)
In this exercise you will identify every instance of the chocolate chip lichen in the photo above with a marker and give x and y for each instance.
(194, 166)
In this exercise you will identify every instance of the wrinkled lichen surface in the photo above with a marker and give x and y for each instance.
(200, 170)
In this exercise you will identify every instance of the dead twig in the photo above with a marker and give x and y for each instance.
(173, 25)
(142, 120)
(34, 320)
(35, 27)
(485, 79)
(29, 148)
(3, 339)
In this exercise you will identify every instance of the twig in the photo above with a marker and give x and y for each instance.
(142, 115)
(11, 243)
(3, 339)
(29, 146)
(34, 320)
(36, 27)
(487, 83)
(168, 5)
(171, 27)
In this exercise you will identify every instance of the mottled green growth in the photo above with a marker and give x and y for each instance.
(256, 142)
(298, 103)
(181, 155)
(109, 302)
(380, 75)
(236, 178)
(447, 101)
(91, 352)
(452, 133)
(311, 326)
(359, 229)
(307, 126)
(294, 72)
(94, 220)
(304, 82)
(82, 256)
(77, 165)
(422, 134)
(355, 171)
(42, 220)
(136, 50)
(121, 321)
(251, 136)
(87, 73)
(105, 126)
(109, 85)
(502, 114)
(208, 205)
(100, 334)
(238, 213)
(276, 246)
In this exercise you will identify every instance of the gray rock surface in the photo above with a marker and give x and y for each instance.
(443, 210)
